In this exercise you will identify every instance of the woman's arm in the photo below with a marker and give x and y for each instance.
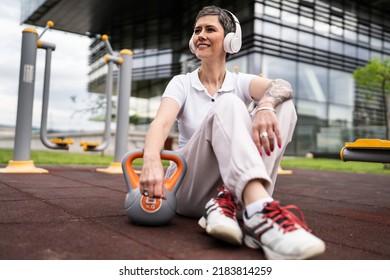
(270, 94)
(152, 175)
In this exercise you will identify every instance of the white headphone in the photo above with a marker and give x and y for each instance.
(232, 42)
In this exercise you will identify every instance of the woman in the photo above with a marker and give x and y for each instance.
(225, 146)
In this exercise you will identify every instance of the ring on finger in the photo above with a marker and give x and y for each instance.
(145, 193)
(264, 134)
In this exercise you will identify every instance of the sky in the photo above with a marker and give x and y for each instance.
(69, 74)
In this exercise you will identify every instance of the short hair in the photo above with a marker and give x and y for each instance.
(224, 17)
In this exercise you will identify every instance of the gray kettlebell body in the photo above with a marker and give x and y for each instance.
(148, 211)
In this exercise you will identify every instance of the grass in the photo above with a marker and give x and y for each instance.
(96, 159)
(60, 158)
(64, 158)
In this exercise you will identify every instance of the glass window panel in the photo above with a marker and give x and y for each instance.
(336, 46)
(338, 131)
(350, 50)
(363, 38)
(376, 43)
(321, 27)
(330, 139)
(374, 54)
(350, 35)
(341, 87)
(306, 21)
(340, 115)
(150, 61)
(363, 54)
(305, 39)
(312, 109)
(271, 11)
(271, 30)
(336, 30)
(288, 17)
(165, 58)
(274, 67)
(305, 134)
(289, 34)
(386, 44)
(321, 42)
(259, 8)
(240, 62)
(350, 18)
(258, 27)
(138, 62)
(313, 82)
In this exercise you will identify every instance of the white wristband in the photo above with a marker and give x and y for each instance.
(264, 108)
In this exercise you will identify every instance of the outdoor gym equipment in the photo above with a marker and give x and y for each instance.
(57, 143)
(96, 146)
(21, 162)
(124, 60)
(144, 210)
(366, 150)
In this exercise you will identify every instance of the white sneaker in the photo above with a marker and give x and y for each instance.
(281, 234)
(220, 219)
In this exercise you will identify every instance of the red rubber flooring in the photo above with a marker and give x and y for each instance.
(77, 213)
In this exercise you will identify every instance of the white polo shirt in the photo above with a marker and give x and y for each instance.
(195, 101)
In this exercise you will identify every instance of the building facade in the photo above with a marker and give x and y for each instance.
(314, 44)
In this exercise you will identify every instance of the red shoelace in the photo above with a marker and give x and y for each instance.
(284, 217)
(226, 204)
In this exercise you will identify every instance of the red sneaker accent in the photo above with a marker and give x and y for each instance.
(226, 204)
(284, 217)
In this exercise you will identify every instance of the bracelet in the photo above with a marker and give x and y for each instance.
(264, 108)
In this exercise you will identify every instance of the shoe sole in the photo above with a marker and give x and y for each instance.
(223, 233)
(272, 255)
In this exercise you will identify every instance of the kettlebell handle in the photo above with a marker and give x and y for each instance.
(169, 183)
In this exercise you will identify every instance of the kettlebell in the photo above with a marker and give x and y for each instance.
(146, 211)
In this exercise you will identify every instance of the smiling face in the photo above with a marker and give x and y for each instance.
(208, 38)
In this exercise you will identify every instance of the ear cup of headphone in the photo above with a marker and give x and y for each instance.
(191, 45)
(233, 41)
(232, 44)
(227, 43)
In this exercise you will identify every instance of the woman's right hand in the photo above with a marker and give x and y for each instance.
(152, 178)
(152, 174)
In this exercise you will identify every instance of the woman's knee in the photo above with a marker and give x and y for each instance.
(287, 111)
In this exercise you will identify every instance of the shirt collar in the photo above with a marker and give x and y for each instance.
(227, 85)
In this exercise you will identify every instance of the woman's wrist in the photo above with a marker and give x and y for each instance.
(263, 108)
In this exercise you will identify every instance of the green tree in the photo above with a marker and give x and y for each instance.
(376, 76)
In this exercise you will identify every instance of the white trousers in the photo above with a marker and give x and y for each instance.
(222, 152)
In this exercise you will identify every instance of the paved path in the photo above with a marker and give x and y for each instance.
(77, 213)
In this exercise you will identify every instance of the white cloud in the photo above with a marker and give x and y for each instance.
(69, 73)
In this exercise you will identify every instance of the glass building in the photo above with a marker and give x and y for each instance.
(314, 44)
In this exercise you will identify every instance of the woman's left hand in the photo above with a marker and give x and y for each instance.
(265, 128)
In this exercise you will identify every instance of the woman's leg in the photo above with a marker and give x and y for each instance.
(223, 148)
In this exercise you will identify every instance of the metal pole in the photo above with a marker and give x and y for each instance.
(122, 124)
(366, 155)
(45, 97)
(107, 123)
(107, 127)
(22, 144)
(21, 162)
